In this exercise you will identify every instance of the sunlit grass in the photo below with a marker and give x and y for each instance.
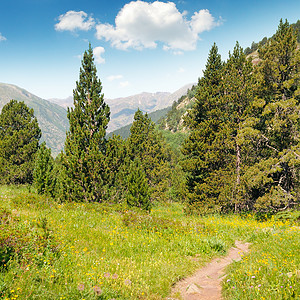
(97, 251)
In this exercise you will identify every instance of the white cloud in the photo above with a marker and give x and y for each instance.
(2, 38)
(73, 20)
(114, 77)
(181, 70)
(141, 25)
(98, 51)
(203, 21)
(124, 84)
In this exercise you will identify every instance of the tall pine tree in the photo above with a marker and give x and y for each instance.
(272, 182)
(83, 160)
(238, 83)
(206, 158)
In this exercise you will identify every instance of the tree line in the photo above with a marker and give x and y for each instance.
(241, 153)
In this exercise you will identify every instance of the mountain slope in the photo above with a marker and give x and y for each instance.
(52, 118)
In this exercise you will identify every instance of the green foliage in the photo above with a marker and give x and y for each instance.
(83, 160)
(138, 192)
(243, 149)
(19, 140)
(272, 180)
(44, 178)
(146, 144)
(208, 159)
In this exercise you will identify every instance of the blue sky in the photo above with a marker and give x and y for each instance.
(138, 45)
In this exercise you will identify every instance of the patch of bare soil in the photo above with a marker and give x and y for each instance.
(205, 284)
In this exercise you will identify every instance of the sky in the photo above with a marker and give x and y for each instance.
(139, 46)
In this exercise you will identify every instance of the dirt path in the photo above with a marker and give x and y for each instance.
(205, 284)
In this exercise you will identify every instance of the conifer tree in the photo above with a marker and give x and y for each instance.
(19, 141)
(138, 192)
(148, 145)
(116, 167)
(272, 181)
(238, 84)
(206, 157)
(43, 177)
(83, 160)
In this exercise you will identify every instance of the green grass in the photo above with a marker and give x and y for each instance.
(95, 251)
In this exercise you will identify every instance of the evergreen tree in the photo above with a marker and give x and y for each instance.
(116, 167)
(238, 84)
(148, 145)
(43, 177)
(207, 160)
(19, 141)
(83, 160)
(138, 193)
(272, 181)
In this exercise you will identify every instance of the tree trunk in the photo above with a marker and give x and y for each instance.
(238, 171)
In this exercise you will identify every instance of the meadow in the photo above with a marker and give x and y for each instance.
(51, 250)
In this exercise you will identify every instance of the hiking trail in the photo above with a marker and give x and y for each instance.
(205, 284)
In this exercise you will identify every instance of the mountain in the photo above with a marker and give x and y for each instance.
(65, 103)
(123, 109)
(52, 118)
(155, 116)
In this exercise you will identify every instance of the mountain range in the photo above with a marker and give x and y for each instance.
(52, 114)
(122, 110)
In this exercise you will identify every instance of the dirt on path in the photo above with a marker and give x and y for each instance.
(205, 284)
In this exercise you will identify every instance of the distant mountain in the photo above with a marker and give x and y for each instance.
(155, 116)
(122, 110)
(65, 103)
(52, 118)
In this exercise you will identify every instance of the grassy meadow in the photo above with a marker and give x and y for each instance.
(50, 250)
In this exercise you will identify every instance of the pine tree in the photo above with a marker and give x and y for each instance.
(208, 91)
(19, 141)
(138, 192)
(238, 84)
(116, 167)
(149, 146)
(207, 160)
(272, 182)
(43, 177)
(83, 160)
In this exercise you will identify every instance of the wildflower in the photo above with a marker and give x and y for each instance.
(97, 290)
(115, 276)
(253, 276)
(127, 282)
(80, 287)
(227, 280)
(106, 275)
(259, 285)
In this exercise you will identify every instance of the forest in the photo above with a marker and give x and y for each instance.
(239, 156)
(241, 152)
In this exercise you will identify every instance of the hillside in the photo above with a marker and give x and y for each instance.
(52, 118)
